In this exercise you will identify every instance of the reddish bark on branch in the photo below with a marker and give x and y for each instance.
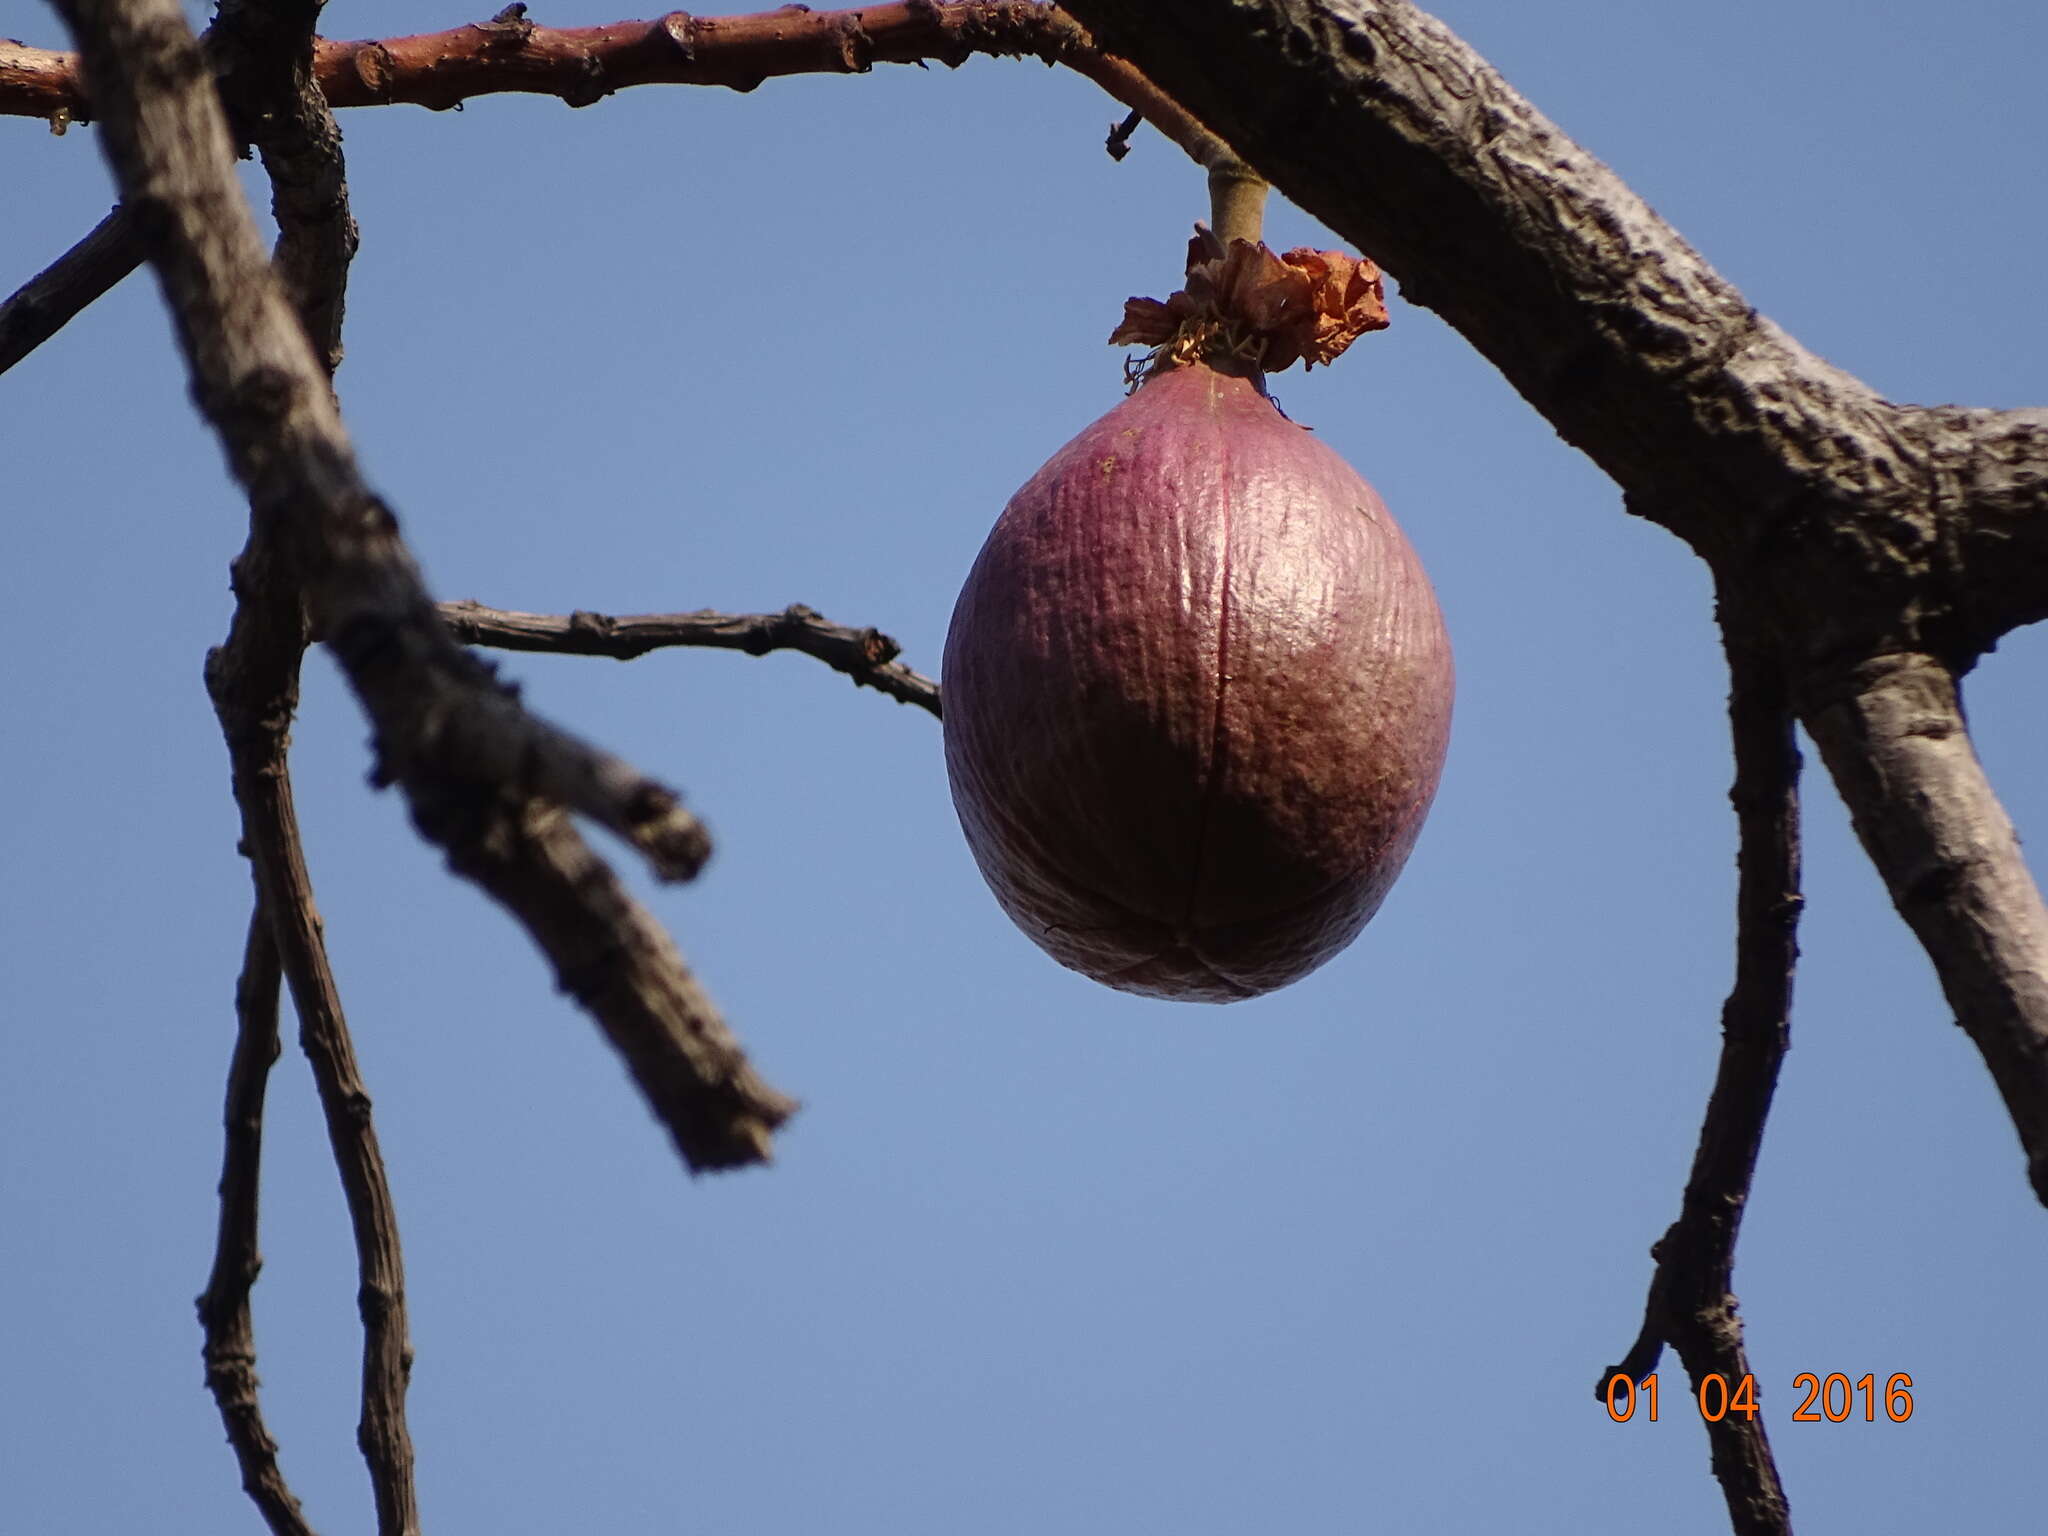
(582, 65)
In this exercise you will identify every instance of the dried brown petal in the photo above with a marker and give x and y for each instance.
(1348, 299)
(1247, 303)
(1146, 323)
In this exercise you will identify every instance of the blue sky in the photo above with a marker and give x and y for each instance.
(1036, 1255)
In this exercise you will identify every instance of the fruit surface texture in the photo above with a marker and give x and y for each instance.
(1197, 697)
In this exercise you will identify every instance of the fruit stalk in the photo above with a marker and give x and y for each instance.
(1237, 201)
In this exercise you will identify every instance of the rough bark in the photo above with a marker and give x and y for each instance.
(1895, 740)
(1853, 536)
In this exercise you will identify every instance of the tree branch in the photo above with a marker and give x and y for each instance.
(1591, 305)
(582, 65)
(40, 82)
(1995, 465)
(253, 680)
(271, 832)
(55, 296)
(224, 1315)
(579, 65)
(1852, 532)
(1893, 735)
(262, 63)
(459, 744)
(613, 957)
(1692, 1302)
(262, 56)
(866, 655)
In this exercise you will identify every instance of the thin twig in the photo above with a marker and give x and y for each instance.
(1119, 142)
(224, 1315)
(253, 679)
(261, 54)
(866, 655)
(1692, 1305)
(50, 300)
(254, 682)
(1122, 80)
(345, 1104)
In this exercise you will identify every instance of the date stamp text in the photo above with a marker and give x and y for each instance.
(1830, 1399)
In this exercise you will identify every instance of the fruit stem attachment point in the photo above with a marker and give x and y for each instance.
(1237, 201)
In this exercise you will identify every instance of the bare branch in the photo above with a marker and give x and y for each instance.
(513, 54)
(866, 655)
(345, 1103)
(262, 57)
(457, 742)
(442, 721)
(1692, 1302)
(39, 82)
(582, 65)
(613, 957)
(55, 296)
(230, 1333)
(1893, 735)
(253, 679)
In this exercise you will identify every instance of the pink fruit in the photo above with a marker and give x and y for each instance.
(1197, 694)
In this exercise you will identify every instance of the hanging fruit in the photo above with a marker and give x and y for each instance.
(1197, 688)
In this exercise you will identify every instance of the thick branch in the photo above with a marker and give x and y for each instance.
(1692, 1302)
(1853, 532)
(1377, 119)
(1894, 737)
(1994, 464)
(459, 744)
(224, 1315)
(866, 655)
